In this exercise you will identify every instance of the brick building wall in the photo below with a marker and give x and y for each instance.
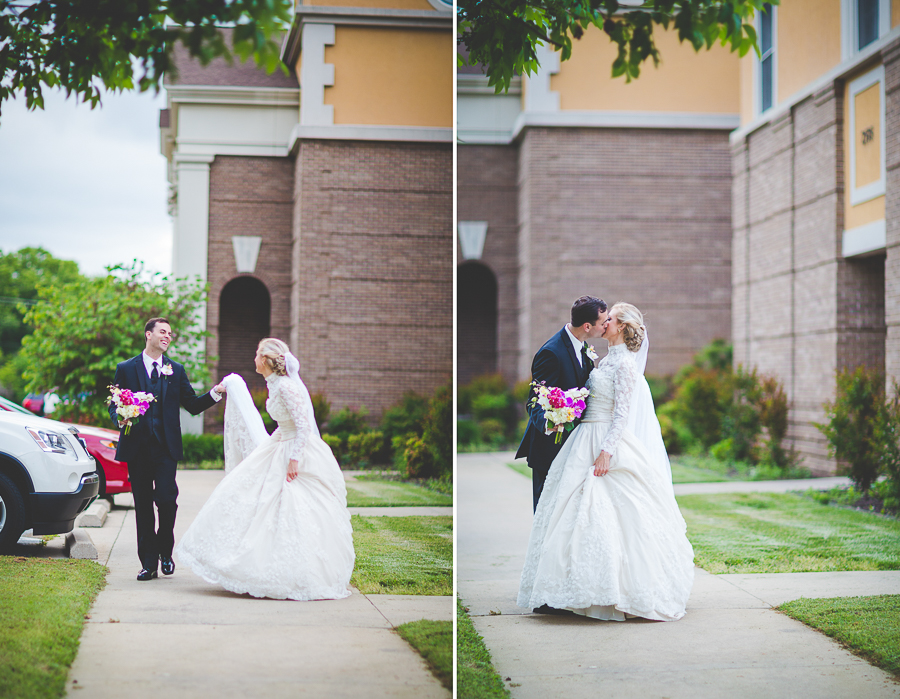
(372, 294)
(487, 191)
(248, 196)
(801, 311)
(891, 58)
(637, 215)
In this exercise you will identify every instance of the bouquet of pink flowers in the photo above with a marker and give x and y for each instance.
(130, 405)
(561, 408)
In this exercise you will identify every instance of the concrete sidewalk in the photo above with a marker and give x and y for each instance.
(180, 637)
(731, 643)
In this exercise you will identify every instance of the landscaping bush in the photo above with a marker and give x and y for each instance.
(321, 409)
(438, 429)
(336, 444)
(348, 421)
(490, 413)
(404, 418)
(259, 400)
(362, 447)
(854, 435)
(203, 447)
(467, 432)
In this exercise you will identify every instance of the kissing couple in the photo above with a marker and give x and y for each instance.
(607, 540)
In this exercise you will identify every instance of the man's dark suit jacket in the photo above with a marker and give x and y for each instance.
(174, 390)
(555, 364)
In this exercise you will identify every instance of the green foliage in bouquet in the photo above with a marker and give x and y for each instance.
(83, 328)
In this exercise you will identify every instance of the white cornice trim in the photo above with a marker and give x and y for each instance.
(210, 149)
(348, 132)
(634, 120)
(469, 136)
(864, 240)
(468, 84)
(359, 16)
(871, 51)
(214, 94)
(195, 158)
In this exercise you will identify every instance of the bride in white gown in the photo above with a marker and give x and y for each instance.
(277, 525)
(608, 540)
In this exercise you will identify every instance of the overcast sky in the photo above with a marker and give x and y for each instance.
(88, 186)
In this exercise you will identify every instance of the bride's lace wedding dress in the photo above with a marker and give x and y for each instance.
(607, 546)
(261, 535)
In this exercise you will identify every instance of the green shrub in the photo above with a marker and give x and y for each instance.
(321, 409)
(419, 460)
(853, 418)
(438, 429)
(661, 389)
(521, 392)
(398, 449)
(467, 432)
(489, 406)
(361, 448)
(348, 421)
(336, 444)
(493, 432)
(203, 447)
(405, 417)
(488, 384)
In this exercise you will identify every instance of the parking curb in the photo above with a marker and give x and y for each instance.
(95, 515)
(79, 545)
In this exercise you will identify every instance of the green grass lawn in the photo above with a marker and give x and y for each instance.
(867, 626)
(371, 492)
(475, 674)
(697, 470)
(403, 555)
(520, 467)
(433, 640)
(42, 606)
(786, 533)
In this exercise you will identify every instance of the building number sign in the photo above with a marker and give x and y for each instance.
(868, 135)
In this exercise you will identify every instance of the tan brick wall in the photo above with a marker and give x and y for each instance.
(487, 191)
(248, 196)
(801, 311)
(637, 215)
(372, 274)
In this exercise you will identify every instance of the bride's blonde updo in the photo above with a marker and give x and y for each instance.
(273, 351)
(632, 321)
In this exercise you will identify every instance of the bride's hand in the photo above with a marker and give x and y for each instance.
(292, 470)
(220, 389)
(601, 465)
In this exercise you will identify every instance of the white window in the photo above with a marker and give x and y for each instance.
(863, 22)
(766, 72)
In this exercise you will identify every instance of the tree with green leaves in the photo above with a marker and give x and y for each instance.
(503, 35)
(79, 45)
(22, 273)
(82, 329)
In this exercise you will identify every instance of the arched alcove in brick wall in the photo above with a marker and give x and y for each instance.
(245, 309)
(476, 321)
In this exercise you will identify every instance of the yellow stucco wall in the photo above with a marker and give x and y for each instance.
(895, 13)
(393, 4)
(808, 35)
(868, 160)
(401, 77)
(702, 83)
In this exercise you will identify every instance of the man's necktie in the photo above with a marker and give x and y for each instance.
(154, 375)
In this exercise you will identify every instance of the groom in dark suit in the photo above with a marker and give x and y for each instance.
(152, 448)
(562, 362)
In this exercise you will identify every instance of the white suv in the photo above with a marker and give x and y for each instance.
(46, 477)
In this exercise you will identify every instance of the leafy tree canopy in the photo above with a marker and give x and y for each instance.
(82, 329)
(502, 35)
(21, 274)
(78, 44)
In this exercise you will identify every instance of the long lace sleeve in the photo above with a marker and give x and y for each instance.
(294, 402)
(624, 389)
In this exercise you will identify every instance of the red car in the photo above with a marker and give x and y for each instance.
(101, 444)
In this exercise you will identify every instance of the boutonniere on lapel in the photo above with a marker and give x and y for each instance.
(166, 370)
(589, 350)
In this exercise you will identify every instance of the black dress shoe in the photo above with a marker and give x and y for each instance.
(147, 574)
(545, 609)
(167, 565)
